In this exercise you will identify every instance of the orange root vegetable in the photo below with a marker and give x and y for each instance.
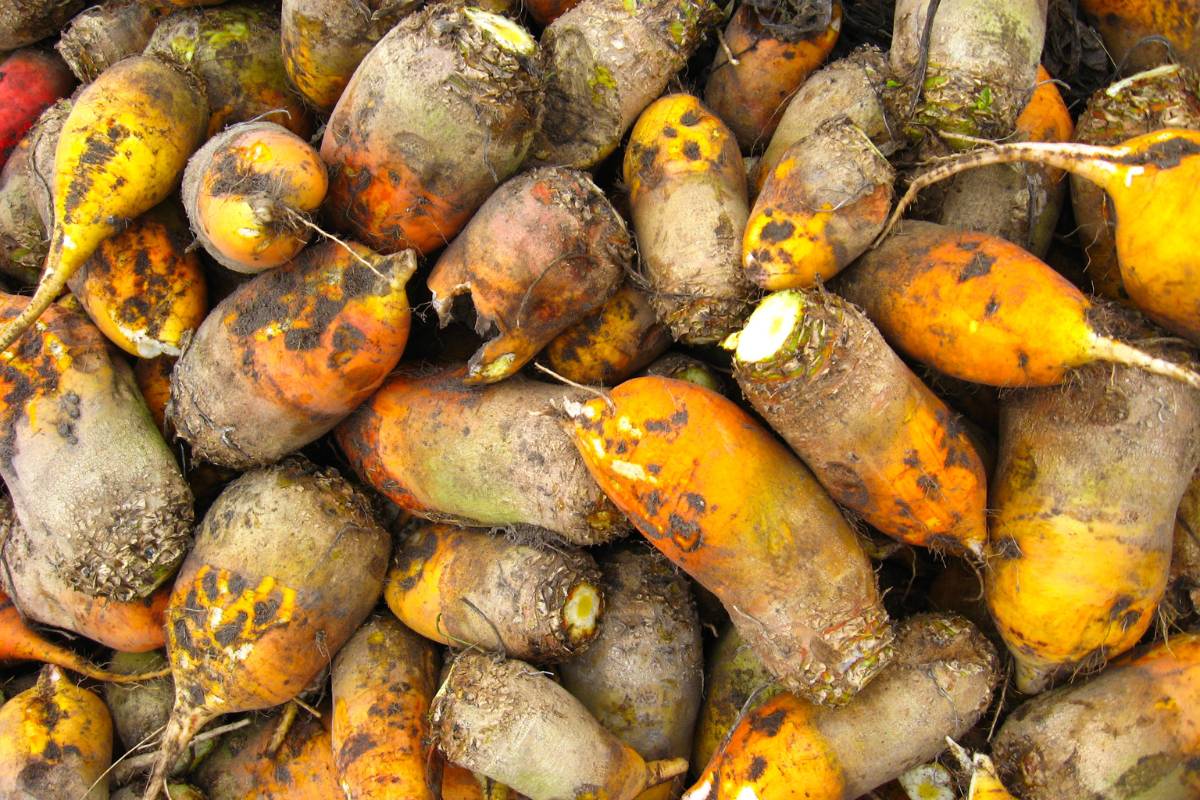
(104, 34)
(769, 63)
(612, 344)
(1085, 494)
(102, 504)
(732, 507)
(436, 116)
(55, 742)
(1139, 34)
(881, 443)
(19, 642)
(821, 206)
(235, 50)
(687, 190)
(290, 354)
(507, 720)
(459, 783)
(735, 682)
(383, 682)
(468, 588)
(546, 11)
(31, 81)
(939, 685)
(1019, 203)
(153, 376)
(23, 22)
(325, 40)
(249, 193)
(120, 153)
(545, 251)
(478, 456)
(287, 564)
(1167, 96)
(242, 767)
(982, 309)
(852, 88)
(606, 60)
(1128, 733)
(641, 678)
(974, 66)
(142, 287)
(1149, 180)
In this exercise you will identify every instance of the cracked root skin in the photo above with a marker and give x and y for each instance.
(507, 720)
(104, 508)
(1131, 732)
(939, 685)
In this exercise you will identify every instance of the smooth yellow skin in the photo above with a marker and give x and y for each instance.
(64, 730)
(121, 152)
(675, 136)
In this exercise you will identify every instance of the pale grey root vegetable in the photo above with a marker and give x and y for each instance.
(641, 677)
(507, 720)
(23, 22)
(104, 34)
(25, 197)
(605, 61)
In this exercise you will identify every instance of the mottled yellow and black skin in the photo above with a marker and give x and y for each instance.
(939, 685)
(1132, 732)
(143, 288)
(1140, 34)
(325, 40)
(55, 741)
(687, 191)
(611, 345)
(288, 563)
(1085, 496)
(235, 51)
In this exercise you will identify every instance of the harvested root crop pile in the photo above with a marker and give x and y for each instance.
(599, 400)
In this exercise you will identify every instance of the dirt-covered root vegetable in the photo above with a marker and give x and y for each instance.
(685, 368)
(24, 22)
(439, 113)
(383, 682)
(605, 61)
(735, 681)
(120, 153)
(723, 499)
(770, 60)
(612, 344)
(1084, 498)
(1020, 203)
(104, 34)
(139, 712)
(881, 443)
(546, 250)
(1128, 733)
(142, 288)
(492, 455)
(982, 309)
(25, 201)
(852, 88)
(94, 485)
(507, 720)
(642, 676)
(235, 51)
(287, 564)
(1185, 553)
(1141, 34)
(55, 742)
(324, 41)
(242, 766)
(939, 685)
(687, 190)
(249, 193)
(1150, 180)
(1163, 97)
(976, 67)
(290, 354)
(465, 587)
(822, 205)
(19, 642)
(30, 81)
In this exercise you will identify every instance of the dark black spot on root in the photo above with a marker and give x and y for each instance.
(769, 724)
(1006, 547)
(774, 232)
(690, 118)
(758, 765)
(692, 151)
(979, 265)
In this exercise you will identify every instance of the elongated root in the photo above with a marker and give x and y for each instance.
(1105, 349)
(180, 730)
(664, 770)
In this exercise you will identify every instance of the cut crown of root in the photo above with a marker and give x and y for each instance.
(782, 328)
(507, 34)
